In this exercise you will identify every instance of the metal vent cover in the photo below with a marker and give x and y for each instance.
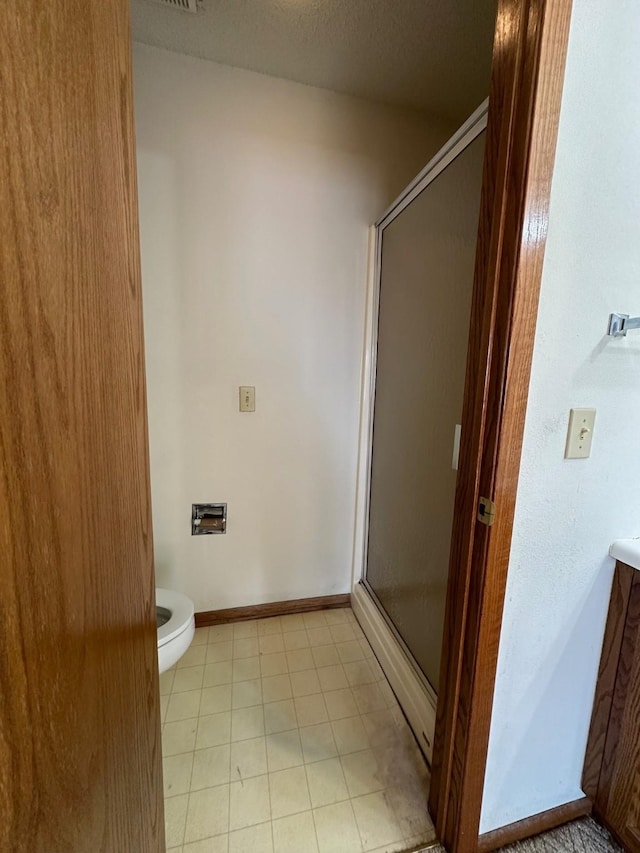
(183, 5)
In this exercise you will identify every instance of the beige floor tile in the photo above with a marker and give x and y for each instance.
(350, 651)
(280, 716)
(354, 741)
(194, 656)
(376, 821)
(305, 682)
(284, 750)
(320, 636)
(217, 652)
(325, 656)
(245, 669)
(275, 664)
(179, 737)
(367, 651)
(253, 839)
(295, 834)
(242, 630)
(275, 688)
(300, 659)
(247, 723)
(248, 758)
(176, 773)
(200, 637)
(340, 703)
(217, 673)
(175, 815)
(332, 677)
(350, 735)
(337, 616)
(295, 640)
(182, 706)
(210, 767)
(311, 710)
(271, 625)
(317, 743)
(208, 813)
(410, 806)
(249, 802)
(289, 792)
(369, 698)
(398, 846)
(215, 699)
(270, 644)
(189, 678)
(247, 694)
(326, 782)
(213, 730)
(359, 672)
(336, 829)
(362, 773)
(316, 619)
(292, 622)
(343, 633)
(387, 694)
(247, 647)
(219, 844)
(220, 633)
(166, 682)
(381, 728)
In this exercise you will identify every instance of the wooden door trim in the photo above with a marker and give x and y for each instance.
(526, 86)
(534, 825)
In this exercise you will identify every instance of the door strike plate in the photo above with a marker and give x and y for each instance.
(486, 511)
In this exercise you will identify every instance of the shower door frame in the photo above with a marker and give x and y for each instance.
(529, 56)
(417, 696)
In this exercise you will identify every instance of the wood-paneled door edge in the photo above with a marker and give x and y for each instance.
(524, 106)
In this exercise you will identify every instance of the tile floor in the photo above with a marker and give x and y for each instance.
(283, 735)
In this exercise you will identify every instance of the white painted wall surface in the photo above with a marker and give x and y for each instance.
(255, 198)
(569, 511)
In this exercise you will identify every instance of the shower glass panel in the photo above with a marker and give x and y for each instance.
(426, 265)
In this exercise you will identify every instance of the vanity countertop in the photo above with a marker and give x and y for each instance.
(626, 551)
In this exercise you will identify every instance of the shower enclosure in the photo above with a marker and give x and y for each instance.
(424, 259)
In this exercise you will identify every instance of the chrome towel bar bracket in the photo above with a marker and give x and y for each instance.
(620, 324)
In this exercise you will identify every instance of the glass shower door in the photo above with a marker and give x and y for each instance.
(426, 265)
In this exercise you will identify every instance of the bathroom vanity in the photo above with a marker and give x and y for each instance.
(611, 776)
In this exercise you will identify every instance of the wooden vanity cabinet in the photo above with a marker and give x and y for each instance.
(611, 777)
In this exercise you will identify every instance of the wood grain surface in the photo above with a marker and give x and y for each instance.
(614, 738)
(534, 825)
(607, 673)
(273, 608)
(524, 105)
(80, 753)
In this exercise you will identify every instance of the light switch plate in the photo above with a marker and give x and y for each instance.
(580, 433)
(247, 398)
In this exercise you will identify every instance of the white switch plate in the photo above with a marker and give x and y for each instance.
(247, 398)
(580, 433)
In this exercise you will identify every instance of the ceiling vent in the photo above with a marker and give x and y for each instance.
(183, 5)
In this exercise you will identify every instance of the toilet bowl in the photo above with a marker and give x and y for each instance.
(176, 626)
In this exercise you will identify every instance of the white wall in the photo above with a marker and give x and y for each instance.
(569, 511)
(255, 197)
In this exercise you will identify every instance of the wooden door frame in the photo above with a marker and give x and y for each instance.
(529, 55)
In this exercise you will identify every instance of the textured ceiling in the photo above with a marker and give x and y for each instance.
(433, 55)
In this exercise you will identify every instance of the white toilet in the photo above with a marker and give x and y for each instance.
(176, 626)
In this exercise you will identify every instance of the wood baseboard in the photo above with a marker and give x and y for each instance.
(274, 608)
(534, 825)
